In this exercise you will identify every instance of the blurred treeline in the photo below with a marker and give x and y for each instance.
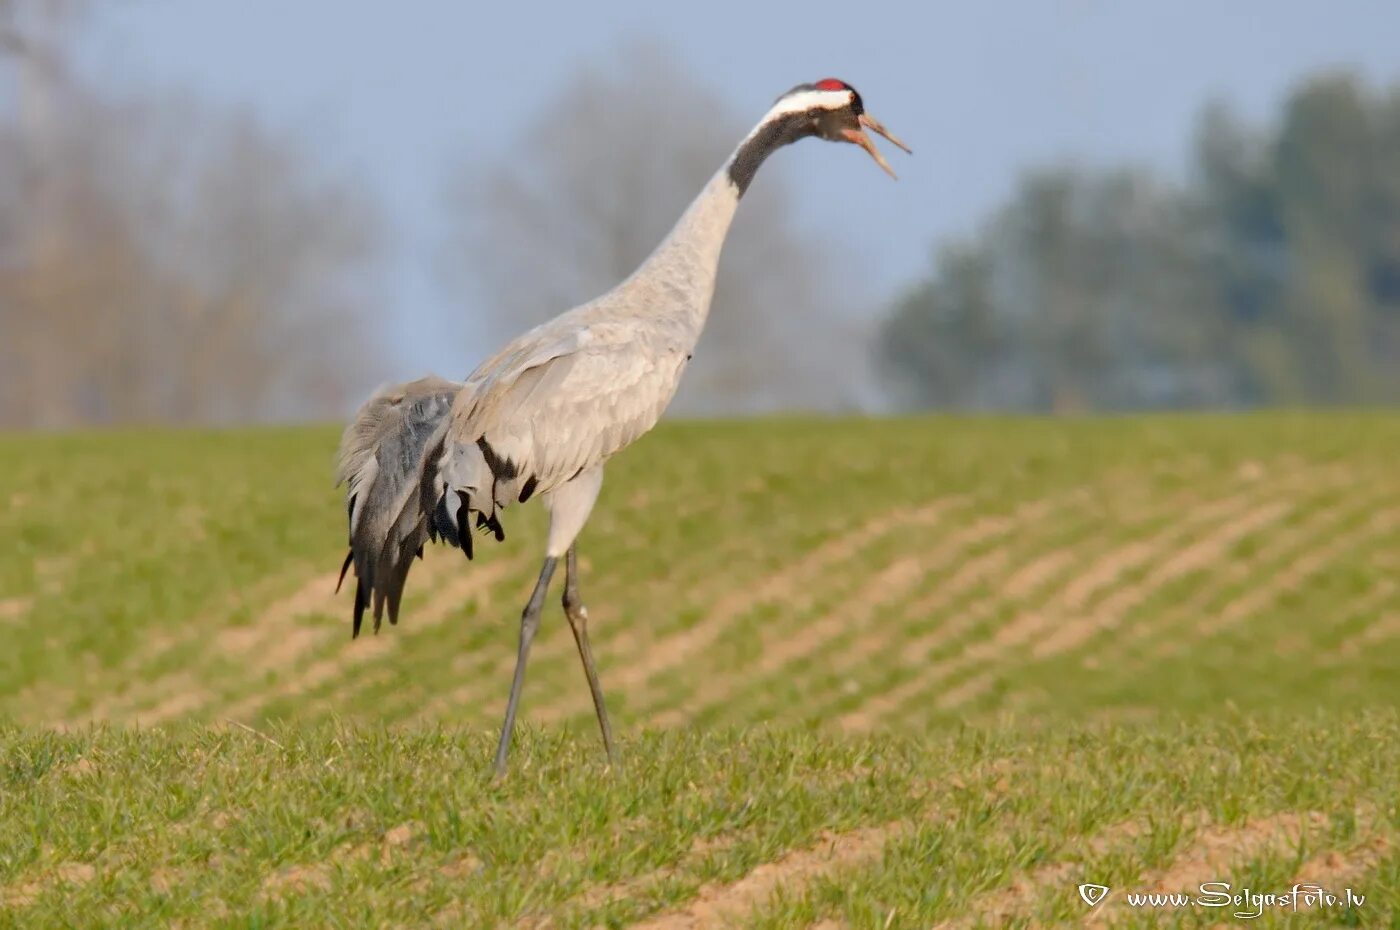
(162, 258)
(165, 258)
(1270, 276)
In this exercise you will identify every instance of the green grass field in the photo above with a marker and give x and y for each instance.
(902, 673)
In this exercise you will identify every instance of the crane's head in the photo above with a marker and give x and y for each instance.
(829, 109)
(832, 110)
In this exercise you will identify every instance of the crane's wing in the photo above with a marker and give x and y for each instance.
(381, 457)
(558, 410)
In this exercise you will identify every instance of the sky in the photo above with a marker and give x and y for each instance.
(396, 94)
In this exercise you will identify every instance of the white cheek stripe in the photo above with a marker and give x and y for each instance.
(807, 99)
(801, 102)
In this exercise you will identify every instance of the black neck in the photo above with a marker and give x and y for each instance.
(780, 131)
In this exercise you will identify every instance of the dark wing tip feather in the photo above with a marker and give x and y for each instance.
(502, 469)
(360, 601)
(464, 534)
(440, 522)
(491, 524)
(345, 566)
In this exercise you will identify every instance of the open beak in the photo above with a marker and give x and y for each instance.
(861, 139)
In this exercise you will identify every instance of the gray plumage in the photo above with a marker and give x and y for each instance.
(436, 459)
(551, 405)
(381, 455)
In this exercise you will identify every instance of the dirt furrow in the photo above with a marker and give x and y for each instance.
(673, 650)
(441, 604)
(636, 658)
(718, 905)
(1072, 592)
(1027, 891)
(1199, 554)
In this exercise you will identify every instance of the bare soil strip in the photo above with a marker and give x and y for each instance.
(1073, 593)
(779, 651)
(886, 636)
(107, 863)
(635, 655)
(640, 884)
(635, 659)
(14, 609)
(700, 849)
(883, 637)
(185, 694)
(303, 877)
(441, 604)
(1385, 592)
(862, 610)
(274, 643)
(1140, 553)
(718, 905)
(672, 651)
(273, 640)
(1031, 623)
(977, 570)
(1337, 870)
(26, 892)
(1029, 890)
(1298, 571)
(487, 676)
(151, 699)
(793, 871)
(1284, 561)
(1063, 631)
(1194, 557)
(875, 710)
(858, 611)
(1265, 580)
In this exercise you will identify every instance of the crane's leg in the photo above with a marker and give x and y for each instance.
(569, 506)
(529, 623)
(578, 622)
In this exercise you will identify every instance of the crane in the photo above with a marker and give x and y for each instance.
(435, 460)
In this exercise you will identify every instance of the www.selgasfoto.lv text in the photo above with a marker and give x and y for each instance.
(1248, 903)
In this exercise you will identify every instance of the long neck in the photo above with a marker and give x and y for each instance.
(683, 267)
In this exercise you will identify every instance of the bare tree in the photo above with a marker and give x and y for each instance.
(162, 260)
(264, 272)
(577, 201)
